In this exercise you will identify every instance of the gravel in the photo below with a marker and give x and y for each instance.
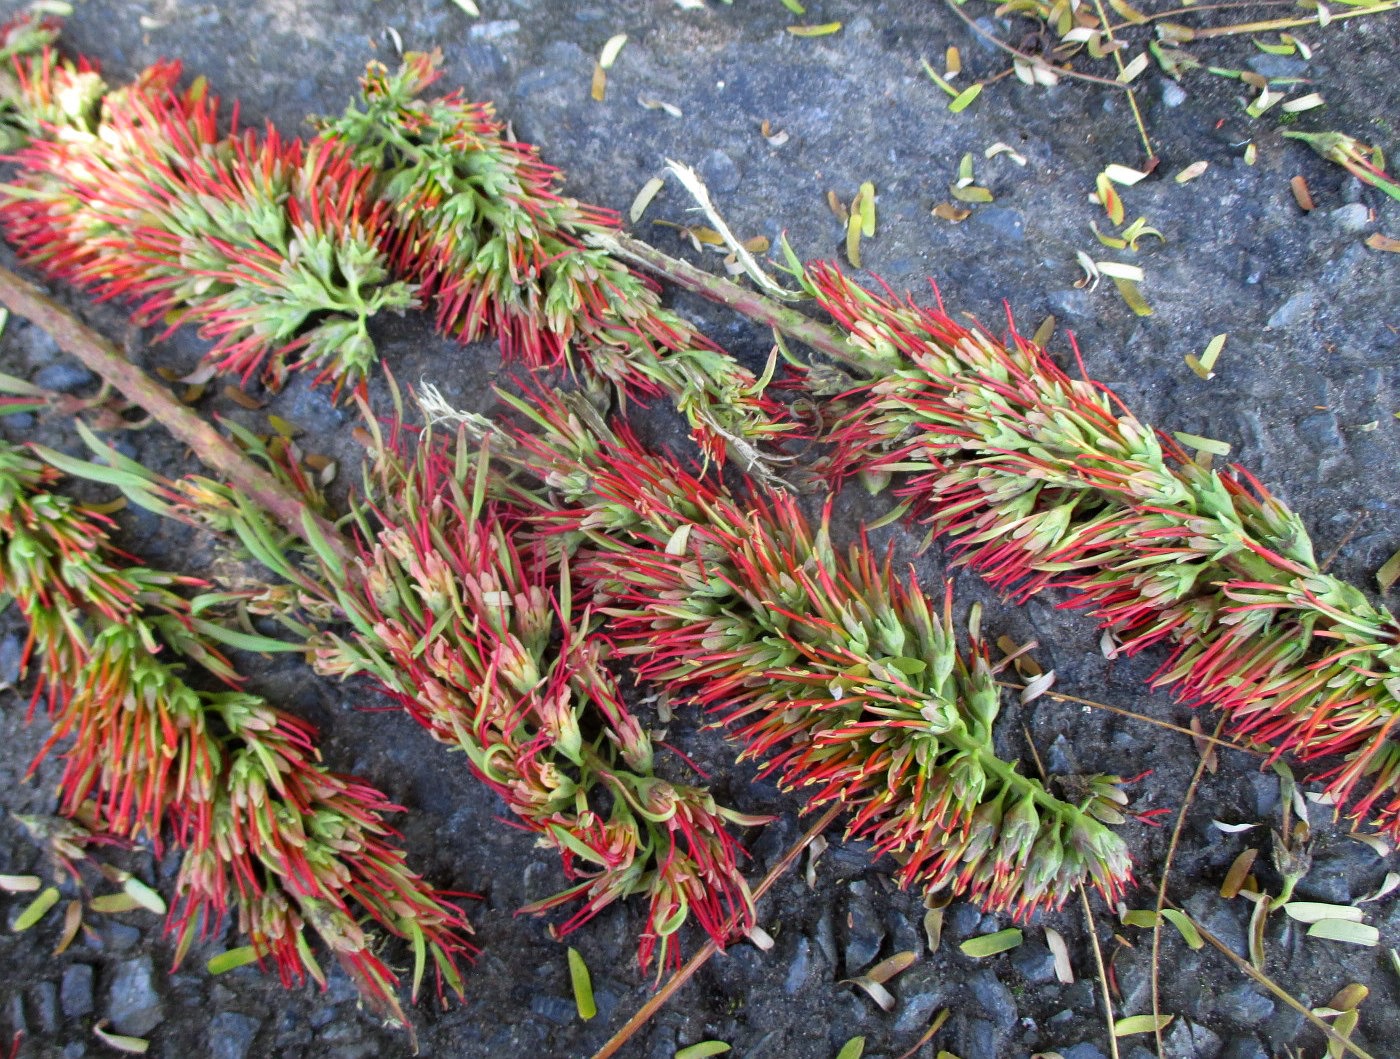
(1310, 357)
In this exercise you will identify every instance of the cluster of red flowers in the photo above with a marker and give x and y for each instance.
(481, 224)
(849, 682)
(1039, 481)
(270, 247)
(234, 782)
(474, 635)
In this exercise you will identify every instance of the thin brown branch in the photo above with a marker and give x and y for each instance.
(659, 998)
(213, 449)
(1103, 972)
(1162, 888)
(1092, 704)
(752, 304)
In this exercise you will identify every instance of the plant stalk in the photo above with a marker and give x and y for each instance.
(750, 303)
(213, 449)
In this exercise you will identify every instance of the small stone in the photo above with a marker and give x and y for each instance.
(494, 30)
(864, 930)
(1083, 1050)
(44, 997)
(978, 1040)
(1322, 434)
(11, 650)
(1224, 922)
(962, 919)
(74, 1050)
(1173, 95)
(917, 1009)
(1293, 310)
(75, 992)
(1277, 65)
(1245, 1006)
(799, 968)
(1353, 217)
(1189, 1040)
(133, 1004)
(118, 937)
(1003, 220)
(1057, 757)
(1244, 1048)
(558, 1010)
(231, 1035)
(719, 172)
(1071, 304)
(1035, 963)
(63, 376)
(994, 999)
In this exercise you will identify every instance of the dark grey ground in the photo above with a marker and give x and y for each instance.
(1309, 365)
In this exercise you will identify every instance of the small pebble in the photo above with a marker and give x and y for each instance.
(719, 172)
(1244, 1048)
(1245, 1005)
(554, 1008)
(993, 999)
(1035, 963)
(1083, 1050)
(44, 997)
(1003, 220)
(231, 1035)
(75, 993)
(133, 1004)
(63, 376)
(1293, 310)
(1173, 95)
(1354, 217)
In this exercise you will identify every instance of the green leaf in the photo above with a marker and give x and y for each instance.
(1347, 931)
(1141, 1024)
(233, 958)
(37, 909)
(852, 1049)
(1140, 917)
(964, 98)
(244, 641)
(583, 985)
(1183, 923)
(704, 1048)
(991, 944)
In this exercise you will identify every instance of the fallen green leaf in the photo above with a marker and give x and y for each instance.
(991, 944)
(583, 985)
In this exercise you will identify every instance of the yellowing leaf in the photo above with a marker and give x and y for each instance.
(644, 197)
(610, 51)
(1064, 970)
(852, 1049)
(946, 211)
(1108, 198)
(1315, 911)
(1380, 241)
(971, 193)
(598, 91)
(824, 30)
(1141, 1024)
(223, 962)
(1132, 296)
(1345, 930)
(1129, 13)
(1188, 930)
(1191, 172)
(883, 971)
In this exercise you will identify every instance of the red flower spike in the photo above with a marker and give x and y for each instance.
(264, 827)
(269, 247)
(479, 222)
(454, 620)
(847, 682)
(1042, 481)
